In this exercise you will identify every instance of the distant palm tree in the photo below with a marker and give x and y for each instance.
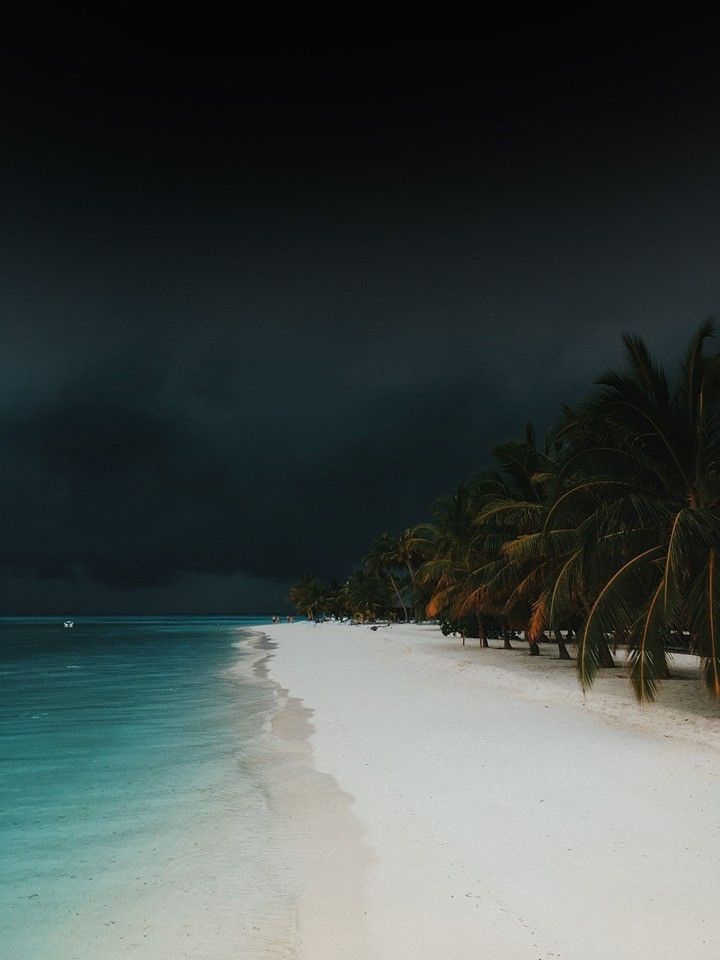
(366, 595)
(410, 558)
(387, 558)
(511, 569)
(443, 546)
(308, 596)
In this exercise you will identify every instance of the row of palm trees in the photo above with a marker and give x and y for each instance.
(607, 532)
(366, 595)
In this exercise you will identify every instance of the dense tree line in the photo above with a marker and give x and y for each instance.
(606, 533)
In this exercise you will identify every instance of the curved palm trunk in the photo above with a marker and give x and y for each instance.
(663, 670)
(506, 640)
(411, 571)
(563, 653)
(482, 632)
(605, 656)
(399, 596)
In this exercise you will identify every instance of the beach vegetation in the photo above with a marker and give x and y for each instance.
(605, 535)
(309, 596)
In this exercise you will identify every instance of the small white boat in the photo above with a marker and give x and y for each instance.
(69, 623)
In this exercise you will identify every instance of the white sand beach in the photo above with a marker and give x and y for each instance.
(485, 809)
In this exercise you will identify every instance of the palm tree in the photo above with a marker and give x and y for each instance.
(386, 558)
(612, 528)
(334, 599)
(444, 547)
(308, 596)
(366, 594)
(648, 484)
(516, 560)
(410, 558)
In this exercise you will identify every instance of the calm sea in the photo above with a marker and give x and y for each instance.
(134, 820)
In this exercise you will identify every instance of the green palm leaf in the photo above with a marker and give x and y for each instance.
(614, 611)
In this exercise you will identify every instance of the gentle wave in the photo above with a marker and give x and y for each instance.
(134, 820)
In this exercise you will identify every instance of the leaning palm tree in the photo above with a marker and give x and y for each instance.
(445, 547)
(517, 561)
(647, 547)
(541, 562)
(387, 559)
(410, 558)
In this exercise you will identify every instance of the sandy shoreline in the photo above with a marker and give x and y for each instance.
(316, 842)
(488, 810)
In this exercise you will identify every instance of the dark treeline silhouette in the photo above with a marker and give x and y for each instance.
(606, 533)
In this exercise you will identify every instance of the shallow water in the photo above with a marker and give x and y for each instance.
(133, 817)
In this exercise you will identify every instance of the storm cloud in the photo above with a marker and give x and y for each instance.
(255, 313)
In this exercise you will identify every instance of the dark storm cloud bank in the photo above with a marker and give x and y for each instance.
(139, 473)
(256, 310)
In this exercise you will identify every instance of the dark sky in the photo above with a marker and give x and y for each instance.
(258, 306)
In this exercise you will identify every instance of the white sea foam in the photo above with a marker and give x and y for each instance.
(137, 820)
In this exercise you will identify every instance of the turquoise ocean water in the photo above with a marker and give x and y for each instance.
(133, 815)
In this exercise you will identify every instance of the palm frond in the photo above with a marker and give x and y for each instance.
(614, 611)
(648, 660)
